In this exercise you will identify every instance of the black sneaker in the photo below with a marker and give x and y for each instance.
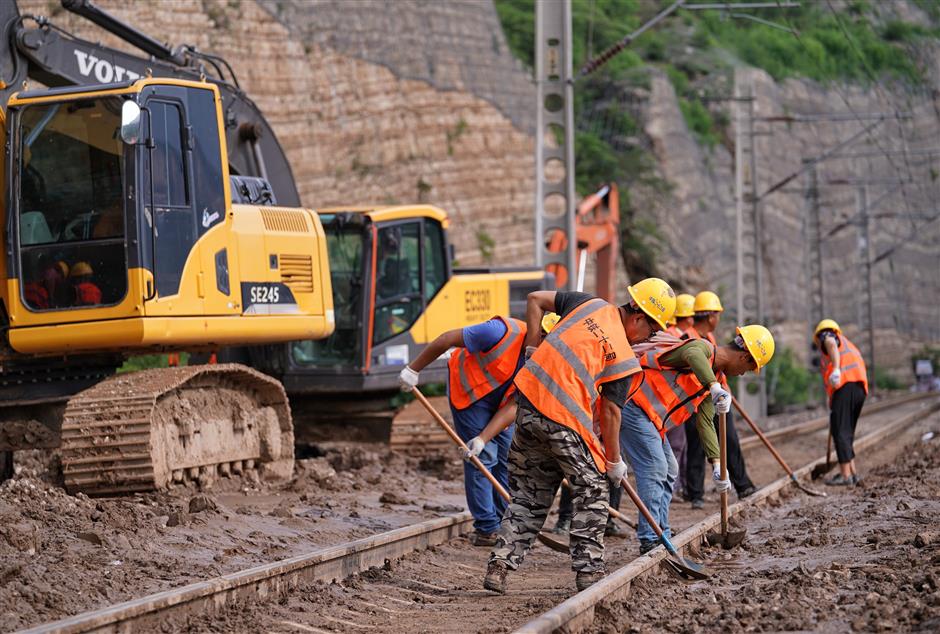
(698, 504)
(747, 492)
(562, 526)
(839, 480)
(646, 546)
(482, 539)
(615, 530)
(856, 479)
(584, 580)
(495, 578)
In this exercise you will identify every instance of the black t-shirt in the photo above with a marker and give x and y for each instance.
(614, 391)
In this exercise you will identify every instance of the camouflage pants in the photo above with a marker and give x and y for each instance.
(543, 452)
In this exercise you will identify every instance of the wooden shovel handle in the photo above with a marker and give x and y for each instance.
(760, 434)
(723, 449)
(460, 443)
(645, 512)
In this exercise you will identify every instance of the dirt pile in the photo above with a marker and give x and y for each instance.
(63, 554)
(865, 559)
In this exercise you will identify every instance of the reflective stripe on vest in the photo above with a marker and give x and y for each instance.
(669, 397)
(562, 378)
(473, 375)
(851, 363)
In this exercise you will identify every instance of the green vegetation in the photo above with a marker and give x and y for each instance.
(884, 380)
(697, 50)
(486, 244)
(788, 382)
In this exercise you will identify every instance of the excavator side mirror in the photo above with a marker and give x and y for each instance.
(130, 122)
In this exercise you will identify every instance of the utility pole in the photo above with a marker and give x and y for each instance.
(865, 308)
(752, 391)
(555, 117)
(813, 245)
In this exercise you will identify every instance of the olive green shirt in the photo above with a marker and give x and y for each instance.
(695, 355)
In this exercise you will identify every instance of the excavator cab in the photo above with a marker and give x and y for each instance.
(121, 233)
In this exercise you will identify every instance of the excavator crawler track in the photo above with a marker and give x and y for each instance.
(148, 430)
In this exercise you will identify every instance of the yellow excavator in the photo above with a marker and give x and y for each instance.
(125, 233)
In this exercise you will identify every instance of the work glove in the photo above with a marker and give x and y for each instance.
(529, 351)
(474, 448)
(835, 378)
(616, 471)
(723, 486)
(408, 379)
(720, 397)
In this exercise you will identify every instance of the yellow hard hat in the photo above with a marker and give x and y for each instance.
(671, 321)
(80, 268)
(759, 342)
(707, 302)
(549, 320)
(827, 324)
(63, 267)
(655, 298)
(685, 305)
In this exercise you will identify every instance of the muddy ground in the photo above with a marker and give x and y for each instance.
(806, 563)
(864, 560)
(61, 555)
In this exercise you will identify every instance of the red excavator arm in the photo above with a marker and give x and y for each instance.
(598, 231)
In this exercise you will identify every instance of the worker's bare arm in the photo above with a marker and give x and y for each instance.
(502, 419)
(610, 429)
(537, 304)
(443, 343)
(833, 350)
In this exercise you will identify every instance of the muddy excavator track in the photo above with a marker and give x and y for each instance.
(151, 429)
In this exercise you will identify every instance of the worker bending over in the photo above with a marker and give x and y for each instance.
(679, 379)
(682, 321)
(479, 382)
(581, 368)
(846, 381)
(707, 315)
(685, 311)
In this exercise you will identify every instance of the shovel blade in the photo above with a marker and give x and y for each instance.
(808, 491)
(686, 569)
(820, 470)
(556, 542)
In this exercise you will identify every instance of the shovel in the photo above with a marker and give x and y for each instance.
(822, 469)
(774, 452)
(685, 568)
(727, 538)
(460, 443)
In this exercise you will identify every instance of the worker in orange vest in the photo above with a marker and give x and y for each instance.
(679, 381)
(845, 378)
(580, 374)
(486, 357)
(707, 314)
(682, 320)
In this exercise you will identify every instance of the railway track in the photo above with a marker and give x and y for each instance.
(437, 589)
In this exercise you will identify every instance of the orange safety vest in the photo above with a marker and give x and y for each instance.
(562, 378)
(667, 395)
(473, 375)
(851, 363)
(692, 333)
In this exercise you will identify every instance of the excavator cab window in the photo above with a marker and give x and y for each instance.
(398, 296)
(345, 243)
(70, 175)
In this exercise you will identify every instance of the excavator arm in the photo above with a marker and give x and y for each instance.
(38, 49)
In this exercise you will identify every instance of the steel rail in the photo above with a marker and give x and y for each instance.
(262, 582)
(816, 424)
(577, 613)
(338, 562)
